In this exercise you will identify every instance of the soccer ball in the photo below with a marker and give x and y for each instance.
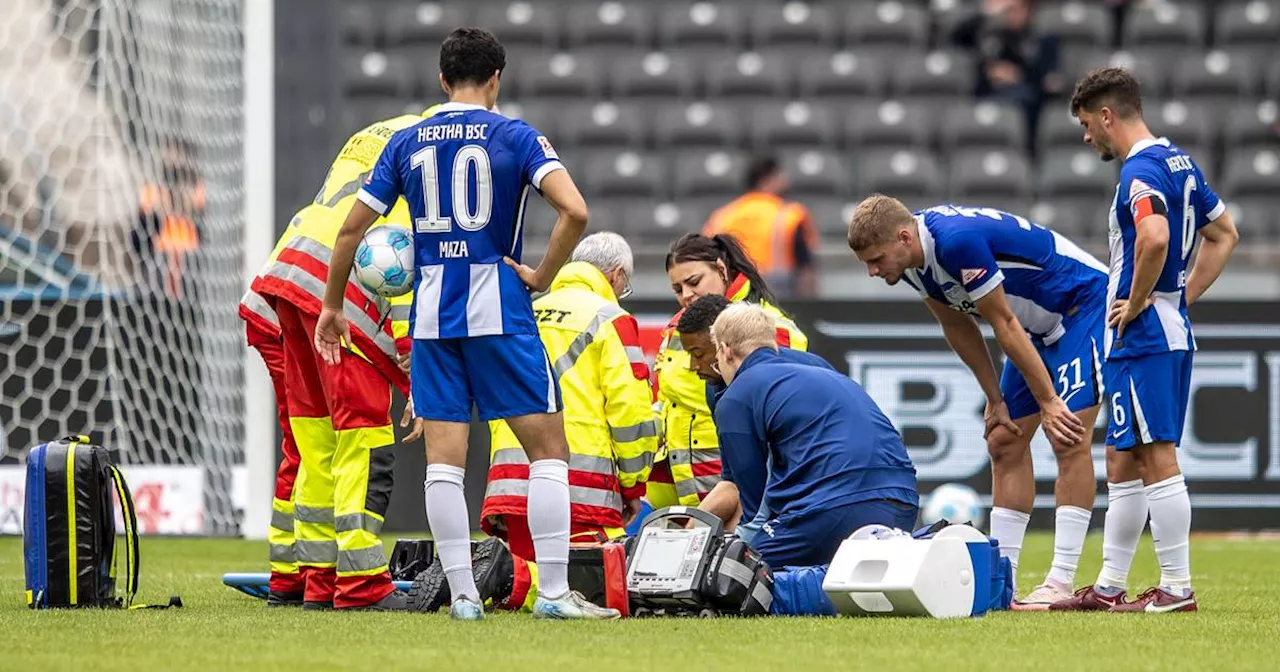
(956, 503)
(384, 260)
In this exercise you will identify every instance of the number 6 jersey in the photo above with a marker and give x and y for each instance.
(1157, 178)
(466, 173)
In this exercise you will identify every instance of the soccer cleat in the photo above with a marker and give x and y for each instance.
(463, 609)
(279, 599)
(1089, 599)
(1158, 601)
(1042, 597)
(572, 606)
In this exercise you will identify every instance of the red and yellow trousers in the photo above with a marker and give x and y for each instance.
(285, 577)
(341, 419)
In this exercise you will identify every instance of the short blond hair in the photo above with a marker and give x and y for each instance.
(745, 328)
(876, 220)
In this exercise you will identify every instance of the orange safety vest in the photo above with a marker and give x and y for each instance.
(766, 225)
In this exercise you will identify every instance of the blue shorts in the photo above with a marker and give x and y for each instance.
(804, 541)
(1074, 363)
(503, 376)
(1149, 396)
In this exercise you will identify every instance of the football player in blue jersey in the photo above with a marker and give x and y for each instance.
(466, 173)
(1045, 299)
(1161, 203)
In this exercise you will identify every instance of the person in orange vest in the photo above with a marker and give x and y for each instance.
(776, 233)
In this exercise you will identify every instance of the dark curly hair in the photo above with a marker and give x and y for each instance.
(1115, 88)
(471, 56)
(701, 314)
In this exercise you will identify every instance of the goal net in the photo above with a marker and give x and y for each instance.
(121, 253)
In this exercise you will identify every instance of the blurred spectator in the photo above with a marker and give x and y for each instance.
(1015, 63)
(777, 234)
(169, 210)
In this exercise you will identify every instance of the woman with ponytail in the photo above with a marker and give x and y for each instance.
(697, 266)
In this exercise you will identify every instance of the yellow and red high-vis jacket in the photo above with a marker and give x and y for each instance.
(594, 347)
(692, 452)
(298, 267)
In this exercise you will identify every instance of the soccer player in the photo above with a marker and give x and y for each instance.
(1045, 300)
(1161, 203)
(466, 173)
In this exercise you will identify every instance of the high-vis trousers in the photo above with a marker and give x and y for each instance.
(341, 419)
(285, 577)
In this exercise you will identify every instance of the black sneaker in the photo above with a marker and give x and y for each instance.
(275, 599)
(396, 600)
(317, 606)
(430, 589)
(492, 567)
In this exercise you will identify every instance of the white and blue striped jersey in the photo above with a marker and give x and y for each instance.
(466, 173)
(968, 252)
(1157, 169)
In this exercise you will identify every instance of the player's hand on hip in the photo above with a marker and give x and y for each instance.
(332, 334)
(997, 415)
(527, 275)
(1060, 423)
(1124, 311)
(419, 426)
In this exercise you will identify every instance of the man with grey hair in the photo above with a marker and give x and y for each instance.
(832, 462)
(611, 255)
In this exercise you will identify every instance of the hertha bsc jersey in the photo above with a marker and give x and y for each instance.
(466, 173)
(1157, 178)
(968, 252)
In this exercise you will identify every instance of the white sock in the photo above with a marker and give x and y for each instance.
(1170, 529)
(1008, 527)
(549, 525)
(1126, 516)
(450, 527)
(1070, 525)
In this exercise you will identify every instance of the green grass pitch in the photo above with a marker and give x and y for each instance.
(1238, 628)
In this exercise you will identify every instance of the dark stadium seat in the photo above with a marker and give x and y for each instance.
(842, 74)
(1250, 28)
(420, 23)
(621, 25)
(983, 124)
(602, 124)
(1186, 122)
(817, 172)
(793, 25)
(1168, 28)
(1077, 24)
(522, 23)
(655, 75)
(542, 115)
(540, 217)
(1079, 220)
(561, 75)
(661, 222)
(787, 124)
(1257, 220)
(935, 76)
(709, 27)
(748, 74)
(1273, 80)
(909, 174)
(888, 124)
(886, 26)
(1076, 173)
(376, 73)
(356, 113)
(1059, 128)
(1217, 76)
(1252, 124)
(698, 124)
(831, 217)
(626, 173)
(706, 173)
(981, 174)
(1251, 173)
(362, 26)
(1151, 68)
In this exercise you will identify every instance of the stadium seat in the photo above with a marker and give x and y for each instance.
(707, 173)
(522, 23)
(886, 26)
(1252, 173)
(698, 124)
(1059, 128)
(1256, 219)
(830, 216)
(1151, 68)
(1080, 221)
(1170, 29)
(793, 26)
(542, 115)
(376, 73)
(1217, 77)
(1273, 80)
(1076, 173)
(781, 125)
(843, 74)
(1250, 29)
(981, 174)
(707, 27)
(816, 172)
(361, 25)
(1077, 24)
(748, 75)
(1187, 123)
(420, 23)
(626, 173)
(660, 223)
(1252, 124)
(540, 217)
(940, 77)
(889, 124)
(948, 14)
(619, 25)
(561, 76)
(601, 124)
(983, 124)
(357, 113)
(909, 174)
(655, 75)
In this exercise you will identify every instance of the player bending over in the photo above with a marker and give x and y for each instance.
(1045, 298)
(1162, 201)
(466, 174)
